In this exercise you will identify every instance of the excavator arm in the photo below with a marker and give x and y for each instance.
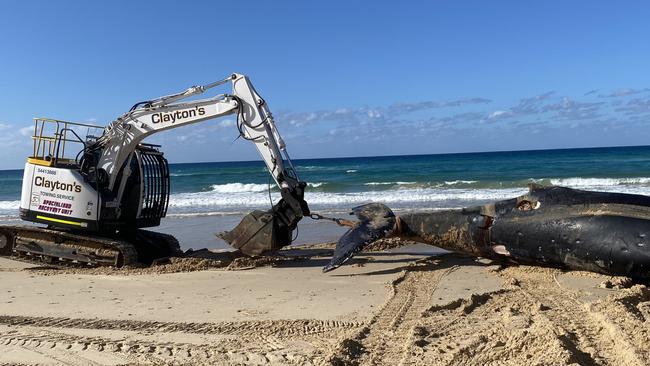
(254, 121)
(259, 232)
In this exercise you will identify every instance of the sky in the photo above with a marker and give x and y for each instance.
(343, 78)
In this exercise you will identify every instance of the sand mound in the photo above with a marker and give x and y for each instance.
(206, 259)
(199, 260)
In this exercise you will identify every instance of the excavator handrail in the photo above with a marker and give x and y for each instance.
(68, 122)
(49, 146)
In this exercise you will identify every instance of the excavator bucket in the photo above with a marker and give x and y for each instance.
(258, 233)
(265, 232)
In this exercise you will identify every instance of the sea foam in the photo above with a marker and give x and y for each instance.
(239, 187)
(242, 197)
(578, 182)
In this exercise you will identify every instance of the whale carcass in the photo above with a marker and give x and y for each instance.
(549, 226)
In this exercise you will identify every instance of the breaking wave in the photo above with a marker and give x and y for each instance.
(578, 182)
(428, 184)
(250, 187)
(388, 183)
(230, 198)
(400, 195)
(456, 182)
(572, 182)
(421, 197)
(9, 208)
(9, 205)
(239, 187)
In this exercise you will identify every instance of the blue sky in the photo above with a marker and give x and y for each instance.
(346, 78)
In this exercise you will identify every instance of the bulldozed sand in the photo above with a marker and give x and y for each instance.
(393, 307)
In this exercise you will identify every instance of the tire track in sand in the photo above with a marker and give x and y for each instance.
(65, 348)
(281, 328)
(248, 342)
(586, 332)
(69, 349)
(532, 319)
(384, 340)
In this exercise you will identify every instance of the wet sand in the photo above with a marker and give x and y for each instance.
(397, 306)
(198, 231)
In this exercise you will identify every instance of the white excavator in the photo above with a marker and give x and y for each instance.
(95, 202)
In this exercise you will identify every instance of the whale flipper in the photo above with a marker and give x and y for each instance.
(376, 221)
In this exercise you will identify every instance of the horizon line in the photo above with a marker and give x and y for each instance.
(436, 154)
(408, 155)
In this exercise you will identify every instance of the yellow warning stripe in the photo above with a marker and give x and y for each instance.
(42, 162)
(76, 223)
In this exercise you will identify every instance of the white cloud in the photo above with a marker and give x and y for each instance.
(5, 126)
(374, 113)
(27, 131)
(371, 115)
(623, 92)
(227, 123)
(497, 114)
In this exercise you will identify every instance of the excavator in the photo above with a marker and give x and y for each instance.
(94, 201)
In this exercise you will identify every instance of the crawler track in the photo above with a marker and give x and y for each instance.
(57, 248)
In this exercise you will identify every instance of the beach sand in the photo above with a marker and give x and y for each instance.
(398, 306)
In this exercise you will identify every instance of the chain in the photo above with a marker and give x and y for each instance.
(338, 221)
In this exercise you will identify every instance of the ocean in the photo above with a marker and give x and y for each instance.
(415, 182)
